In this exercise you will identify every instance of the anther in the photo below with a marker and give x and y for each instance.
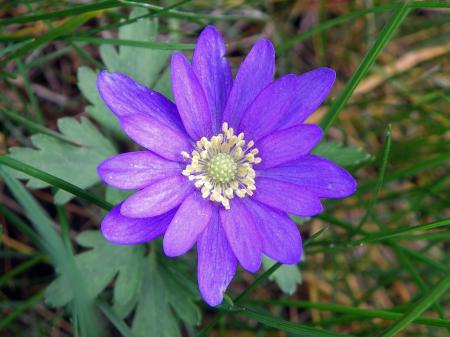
(222, 166)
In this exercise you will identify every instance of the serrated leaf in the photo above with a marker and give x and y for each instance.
(182, 294)
(287, 277)
(145, 65)
(100, 264)
(142, 64)
(343, 156)
(73, 163)
(161, 295)
(87, 83)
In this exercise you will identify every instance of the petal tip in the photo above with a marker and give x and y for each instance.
(212, 299)
(126, 210)
(169, 248)
(353, 185)
(104, 78)
(265, 43)
(252, 268)
(178, 57)
(326, 74)
(210, 29)
(100, 170)
(108, 229)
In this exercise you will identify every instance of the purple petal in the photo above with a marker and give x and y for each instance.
(156, 136)
(125, 97)
(315, 174)
(135, 170)
(266, 111)
(242, 235)
(216, 262)
(122, 230)
(190, 98)
(213, 72)
(313, 88)
(189, 221)
(158, 198)
(254, 74)
(284, 146)
(287, 197)
(280, 237)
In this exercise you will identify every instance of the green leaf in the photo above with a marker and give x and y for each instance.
(161, 295)
(75, 164)
(71, 278)
(156, 286)
(87, 83)
(144, 65)
(344, 156)
(116, 196)
(100, 265)
(182, 291)
(52, 180)
(287, 277)
(163, 85)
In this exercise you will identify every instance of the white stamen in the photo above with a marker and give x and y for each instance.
(222, 166)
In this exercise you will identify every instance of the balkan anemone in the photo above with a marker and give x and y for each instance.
(224, 165)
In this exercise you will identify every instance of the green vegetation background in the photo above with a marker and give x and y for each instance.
(376, 264)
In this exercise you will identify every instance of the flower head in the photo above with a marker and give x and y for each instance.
(224, 165)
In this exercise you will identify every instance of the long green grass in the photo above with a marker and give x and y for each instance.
(376, 264)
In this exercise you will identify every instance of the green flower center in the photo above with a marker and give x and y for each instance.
(222, 168)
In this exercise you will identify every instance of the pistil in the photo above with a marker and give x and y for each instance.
(223, 166)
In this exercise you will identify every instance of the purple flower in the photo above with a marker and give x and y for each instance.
(224, 165)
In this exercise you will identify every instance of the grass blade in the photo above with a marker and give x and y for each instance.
(61, 258)
(364, 66)
(295, 328)
(132, 43)
(76, 10)
(114, 319)
(359, 312)
(287, 45)
(380, 180)
(20, 309)
(419, 308)
(35, 127)
(50, 36)
(54, 181)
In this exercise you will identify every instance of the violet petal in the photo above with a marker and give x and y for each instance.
(156, 136)
(189, 221)
(190, 98)
(122, 230)
(125, 97)
(157, 198)
(315, 174)
(264, 113)
(254, 74)
(242, 235)
(286, 145)
(135, 170)
(287, 197)
(216, 262)
(280, 236)
(213, 72)
(312, 89)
